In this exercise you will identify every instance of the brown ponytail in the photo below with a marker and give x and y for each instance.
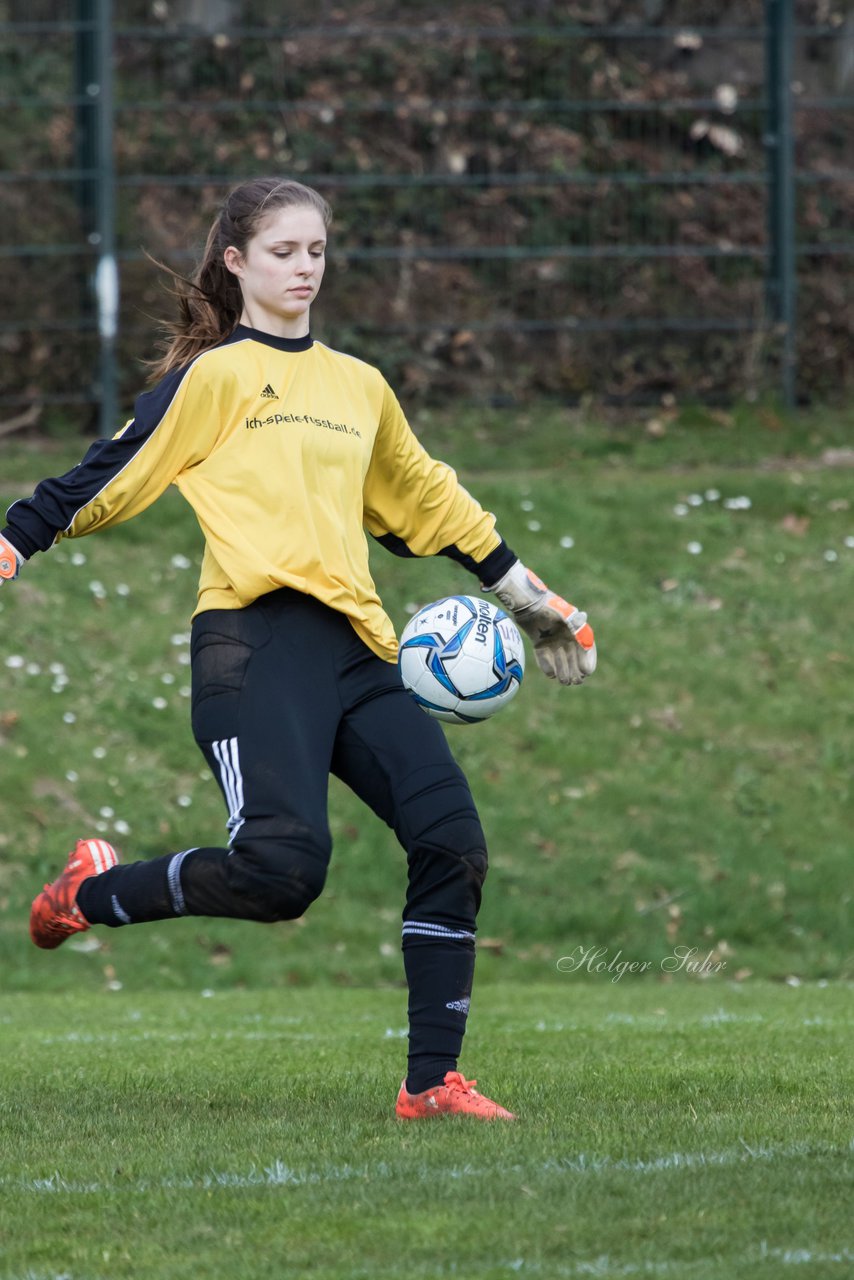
(210, 303)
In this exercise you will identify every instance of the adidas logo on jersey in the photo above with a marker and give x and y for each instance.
(268, 393)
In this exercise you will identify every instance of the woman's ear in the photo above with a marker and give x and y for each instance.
(233, 260)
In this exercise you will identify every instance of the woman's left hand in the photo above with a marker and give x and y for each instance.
(564, 644)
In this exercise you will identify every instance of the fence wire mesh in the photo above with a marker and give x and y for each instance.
(526, 202)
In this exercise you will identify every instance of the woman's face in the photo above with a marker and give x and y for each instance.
(281, 271)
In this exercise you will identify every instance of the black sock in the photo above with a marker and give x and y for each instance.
(439, 972)
(136, 892)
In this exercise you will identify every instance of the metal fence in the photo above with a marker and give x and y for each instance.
(643, 211)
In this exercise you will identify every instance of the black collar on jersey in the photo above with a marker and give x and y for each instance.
(243, 331)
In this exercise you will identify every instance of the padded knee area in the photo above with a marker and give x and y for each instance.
(441, 831)
(279, 872)
(437, 812)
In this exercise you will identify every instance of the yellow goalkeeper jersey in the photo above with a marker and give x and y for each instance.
(287, 451)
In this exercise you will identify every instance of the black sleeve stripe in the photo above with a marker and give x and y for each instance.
(488, 570)
(33, 523)
(394, 544)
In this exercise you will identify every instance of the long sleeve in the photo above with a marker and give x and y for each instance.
(415, 505)
(172, 428)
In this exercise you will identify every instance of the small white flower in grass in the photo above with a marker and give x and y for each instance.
(534, 526)
(207, 993)
(78, 558)
(181, 637)
(741, 503)
(849, 541)
(527, 505)
(72, 776)
(114, 985)
(409, 607)
(181, 562)
(184, 691)
(102, 827)
(680, 509)
(387, 949)
(56, 669)
(69, 717)
(121, 828)
(694, 548)
(567, 541)
(695, 499)
(830, 556)
(33, 669)
(106, 812)
(14, 661)
(99, 591)
(185, 801)
(167, 678)
(184, 659)
(85, 945)
(122, 589)
(159, 704)
(99, 752)
(712, 495)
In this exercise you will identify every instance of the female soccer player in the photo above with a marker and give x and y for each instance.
(287, 451)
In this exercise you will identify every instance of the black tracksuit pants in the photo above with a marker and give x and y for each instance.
(285, 693)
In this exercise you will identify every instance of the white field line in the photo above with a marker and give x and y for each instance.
(278, 1174)
(278, 1031)
(603, 1266)
(174, 1037)
(609, 1268)
(606, 1266)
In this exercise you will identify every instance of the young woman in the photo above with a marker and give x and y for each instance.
(288, 451)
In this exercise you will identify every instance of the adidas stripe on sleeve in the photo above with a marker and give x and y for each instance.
(121, 476)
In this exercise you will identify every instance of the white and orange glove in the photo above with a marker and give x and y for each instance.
(563, 640)
(10, 560)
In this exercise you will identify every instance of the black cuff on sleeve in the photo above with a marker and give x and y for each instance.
(19, 541)
(488, 570)
(496, 564)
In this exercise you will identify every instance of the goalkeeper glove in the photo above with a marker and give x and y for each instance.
(10, 560)
(564, 645)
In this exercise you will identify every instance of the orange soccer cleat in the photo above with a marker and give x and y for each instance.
(457, 1096)
(55, 914)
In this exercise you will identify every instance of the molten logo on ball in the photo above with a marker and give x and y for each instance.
(462, 659)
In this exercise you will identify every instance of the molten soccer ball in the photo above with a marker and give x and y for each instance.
(461, 658)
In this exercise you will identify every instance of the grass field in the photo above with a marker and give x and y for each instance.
(685, 1131)
(663, 987)
(697, 792)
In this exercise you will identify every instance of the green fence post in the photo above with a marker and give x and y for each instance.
(780, 147)
(106, 275)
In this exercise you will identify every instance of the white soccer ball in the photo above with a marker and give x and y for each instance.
(461, 658)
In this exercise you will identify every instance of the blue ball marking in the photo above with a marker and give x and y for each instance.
(440, 654)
